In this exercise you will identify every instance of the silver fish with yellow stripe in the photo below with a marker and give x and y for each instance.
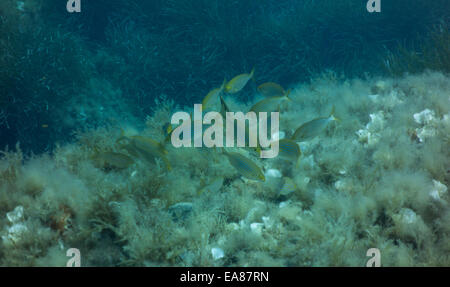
(238, 83)
(271, 89)
(313, 128)
(245, 166)
(212, 97)
(271, 104)
(147, 148)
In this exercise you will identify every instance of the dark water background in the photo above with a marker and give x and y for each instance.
(62, 72)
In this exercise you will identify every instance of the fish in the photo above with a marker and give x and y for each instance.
(223, 107)
(146, 148)
(223, 111)
(313, 128)
(212, 96)
(288, 186)
(245, 166)
(289, 149)
(271, 104)
(115, 159)
(213, 186)
(167, 129)
(271, 89)
(238, 83)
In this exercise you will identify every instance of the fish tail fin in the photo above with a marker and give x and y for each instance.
(167, 131)
(252, 75)
(288, 92)
(222, 87)
(224, 106)
(258, 150)
(332, 115)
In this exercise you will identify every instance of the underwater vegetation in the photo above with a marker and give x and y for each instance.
(109, 63)
(377, 178)
(432, 54)
(48, 81)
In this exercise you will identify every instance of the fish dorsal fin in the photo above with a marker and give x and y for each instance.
(122, 136)
(332, 111)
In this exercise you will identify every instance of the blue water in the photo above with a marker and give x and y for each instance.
(181, 49)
